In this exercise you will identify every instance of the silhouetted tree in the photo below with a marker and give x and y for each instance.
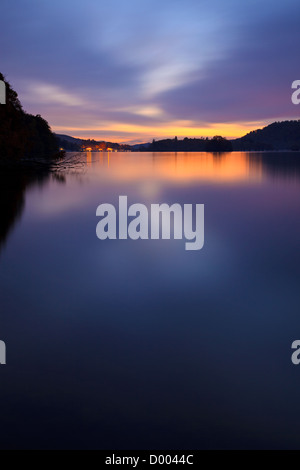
(189, 145)
(21, 134)
(218, 144)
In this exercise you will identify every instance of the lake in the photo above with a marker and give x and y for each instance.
(140, 344)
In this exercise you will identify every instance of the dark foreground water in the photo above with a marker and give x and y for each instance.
(141, 344)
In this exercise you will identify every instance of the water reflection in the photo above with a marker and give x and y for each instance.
(178, 168)
(190, 167)
(141, 344)
(13, 187)
(280, 164)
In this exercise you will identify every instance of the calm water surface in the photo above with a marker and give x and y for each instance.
(141, 344)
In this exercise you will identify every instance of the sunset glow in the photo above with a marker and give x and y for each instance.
(176, 168)
(116, 131)
(153, 70)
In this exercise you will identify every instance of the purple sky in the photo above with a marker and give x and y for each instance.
(134, 70)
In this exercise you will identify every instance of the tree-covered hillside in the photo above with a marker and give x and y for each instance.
(277, 136)
(23, 135)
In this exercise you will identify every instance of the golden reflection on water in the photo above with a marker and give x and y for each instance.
(89, 158)
(177, 167)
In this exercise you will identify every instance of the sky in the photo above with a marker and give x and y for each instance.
(134, 70)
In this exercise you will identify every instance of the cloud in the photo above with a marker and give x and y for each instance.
(44, 93)
(151, 63)
(253, 83)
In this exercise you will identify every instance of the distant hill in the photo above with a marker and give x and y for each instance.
(216, 144)
(277, 136)
(140, 147)
(68, 138)
(74, 144)
(69, 143)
